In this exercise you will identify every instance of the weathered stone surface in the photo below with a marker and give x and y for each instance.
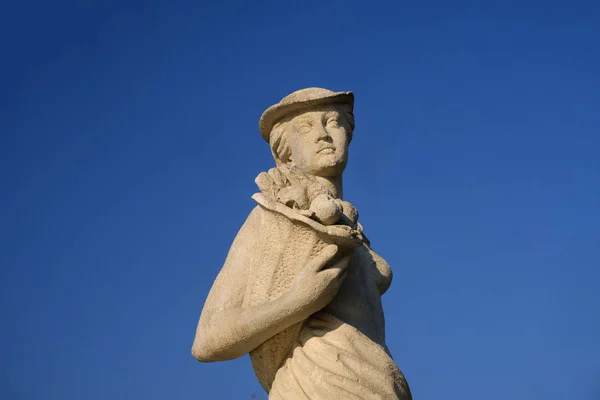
(300, 290)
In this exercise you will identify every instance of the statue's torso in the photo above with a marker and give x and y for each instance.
(341, 351)
(343, 345)
(358, 302)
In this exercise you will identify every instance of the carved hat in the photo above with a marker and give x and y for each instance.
(298, 100)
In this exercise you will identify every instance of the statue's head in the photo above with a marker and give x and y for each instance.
(311, 129)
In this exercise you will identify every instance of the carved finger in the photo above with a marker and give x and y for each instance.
(342, 263)
(323, 257)
(332, 275)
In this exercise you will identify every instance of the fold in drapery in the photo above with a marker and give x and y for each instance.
(333, 360)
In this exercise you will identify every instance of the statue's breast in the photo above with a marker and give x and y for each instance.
(381, 272)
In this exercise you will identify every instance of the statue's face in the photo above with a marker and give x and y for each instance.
(319, 140)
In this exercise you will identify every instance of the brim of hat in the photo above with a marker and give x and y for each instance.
(278, 111)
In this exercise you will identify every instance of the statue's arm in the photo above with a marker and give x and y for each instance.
(226, 330)
(231, 333)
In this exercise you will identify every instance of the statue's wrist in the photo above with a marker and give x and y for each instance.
(298, 309)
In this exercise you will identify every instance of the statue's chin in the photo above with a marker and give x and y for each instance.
(330, 171)
(326, 168)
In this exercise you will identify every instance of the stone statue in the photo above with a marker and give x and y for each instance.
(301, 287)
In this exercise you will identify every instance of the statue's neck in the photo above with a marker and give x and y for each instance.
(333, 184)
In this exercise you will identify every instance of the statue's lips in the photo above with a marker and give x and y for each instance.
(326, 150)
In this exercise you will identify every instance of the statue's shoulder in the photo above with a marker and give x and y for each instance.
(257, 217)
(264, 225)
(257, 221)
(266, 212)
(252, 223)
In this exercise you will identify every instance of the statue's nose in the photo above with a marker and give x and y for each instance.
(321, 132)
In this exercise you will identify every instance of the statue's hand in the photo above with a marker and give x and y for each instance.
(319, 281)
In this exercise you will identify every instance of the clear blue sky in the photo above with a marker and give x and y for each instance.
(128, 151)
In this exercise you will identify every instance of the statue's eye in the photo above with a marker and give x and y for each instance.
(332, 122)
(304, 128)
